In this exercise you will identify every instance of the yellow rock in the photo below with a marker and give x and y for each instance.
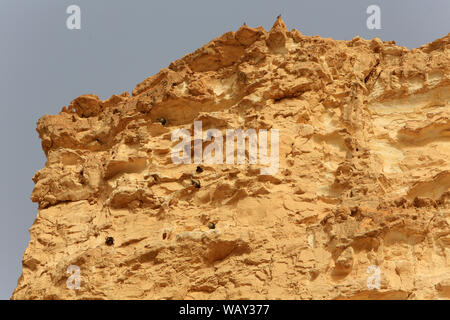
(362, 189)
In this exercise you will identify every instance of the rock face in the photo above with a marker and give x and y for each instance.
(359, 207)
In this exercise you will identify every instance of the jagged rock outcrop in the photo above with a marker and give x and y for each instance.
(363, 178)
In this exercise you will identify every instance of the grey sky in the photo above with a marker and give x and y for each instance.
(43, 66)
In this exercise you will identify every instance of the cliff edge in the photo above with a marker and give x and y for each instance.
(359, 207)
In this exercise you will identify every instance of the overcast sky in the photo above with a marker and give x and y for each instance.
(43, 66)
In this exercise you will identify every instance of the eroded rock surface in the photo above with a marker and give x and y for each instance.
(363, 179)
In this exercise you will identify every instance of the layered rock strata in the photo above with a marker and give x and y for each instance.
(362, 190)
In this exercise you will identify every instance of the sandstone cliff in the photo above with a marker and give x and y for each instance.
(363, 179)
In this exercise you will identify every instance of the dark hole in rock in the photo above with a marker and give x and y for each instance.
(211, 225)
(109, 241)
